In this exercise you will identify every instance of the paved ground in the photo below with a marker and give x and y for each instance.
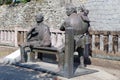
(10, 72)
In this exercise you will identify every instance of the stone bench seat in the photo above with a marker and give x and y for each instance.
(56, 48)
(47, 50)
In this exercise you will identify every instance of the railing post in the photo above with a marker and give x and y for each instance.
(53, 39)
(1, 35)
(101, 42)
(5, 35)
(119, 43)
(16, 36)
(110, 43)
(22, 36)
(59, 40)
(25, 36)
(93, 41)
(8, 36)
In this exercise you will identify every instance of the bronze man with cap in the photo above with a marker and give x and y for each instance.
(38, 36)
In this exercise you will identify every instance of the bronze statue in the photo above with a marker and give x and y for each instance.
(38, 36)
(80, 24)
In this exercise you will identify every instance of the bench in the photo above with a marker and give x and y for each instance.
(60, 41)
(57, 43)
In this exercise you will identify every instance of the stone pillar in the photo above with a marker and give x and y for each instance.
(69, 50)
(93, 42)
(110, 43)
(101, 42)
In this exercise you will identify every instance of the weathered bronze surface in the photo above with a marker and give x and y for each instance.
(80, 24)
(38, 36)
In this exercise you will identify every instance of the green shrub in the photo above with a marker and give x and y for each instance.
(1, 2)
(8, 1)
(23, 1)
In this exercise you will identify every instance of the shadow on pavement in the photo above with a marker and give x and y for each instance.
(9, 72)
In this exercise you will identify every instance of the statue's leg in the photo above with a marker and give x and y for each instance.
(81, 57)
(60, 57)
(24, 48)
(40, 56)
(61, 61)
(23, 54)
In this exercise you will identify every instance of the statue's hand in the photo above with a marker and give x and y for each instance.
(34, 32)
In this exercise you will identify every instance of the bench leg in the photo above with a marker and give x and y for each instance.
(23, 54)
(31, 57)
(57, 57)
(40, 56)
(81, 57)
(61, 61)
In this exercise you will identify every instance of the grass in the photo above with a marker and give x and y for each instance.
(4, 51)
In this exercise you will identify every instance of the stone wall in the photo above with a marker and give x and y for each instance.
(104, 14)
(23, 14)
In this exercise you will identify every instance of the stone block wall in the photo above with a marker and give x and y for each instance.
(104, 14)
(23, 14)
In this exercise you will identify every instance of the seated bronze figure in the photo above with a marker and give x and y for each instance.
(38, 36)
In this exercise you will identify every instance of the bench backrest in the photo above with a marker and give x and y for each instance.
(57, 37)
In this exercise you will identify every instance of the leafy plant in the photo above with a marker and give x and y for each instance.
(1, 2)
(8, 1)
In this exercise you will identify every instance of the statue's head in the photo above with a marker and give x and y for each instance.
(86, 12)
(39, 18)
(83, 9)
(70, 8)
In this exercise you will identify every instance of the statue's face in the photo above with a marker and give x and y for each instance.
(70, 10)
(86, 12)
(39, 18)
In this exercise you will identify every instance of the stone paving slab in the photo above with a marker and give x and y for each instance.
(53, 68)
(10, 72)
(101, 74)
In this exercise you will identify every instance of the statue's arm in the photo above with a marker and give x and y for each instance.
(85, 18)
(30, 31)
